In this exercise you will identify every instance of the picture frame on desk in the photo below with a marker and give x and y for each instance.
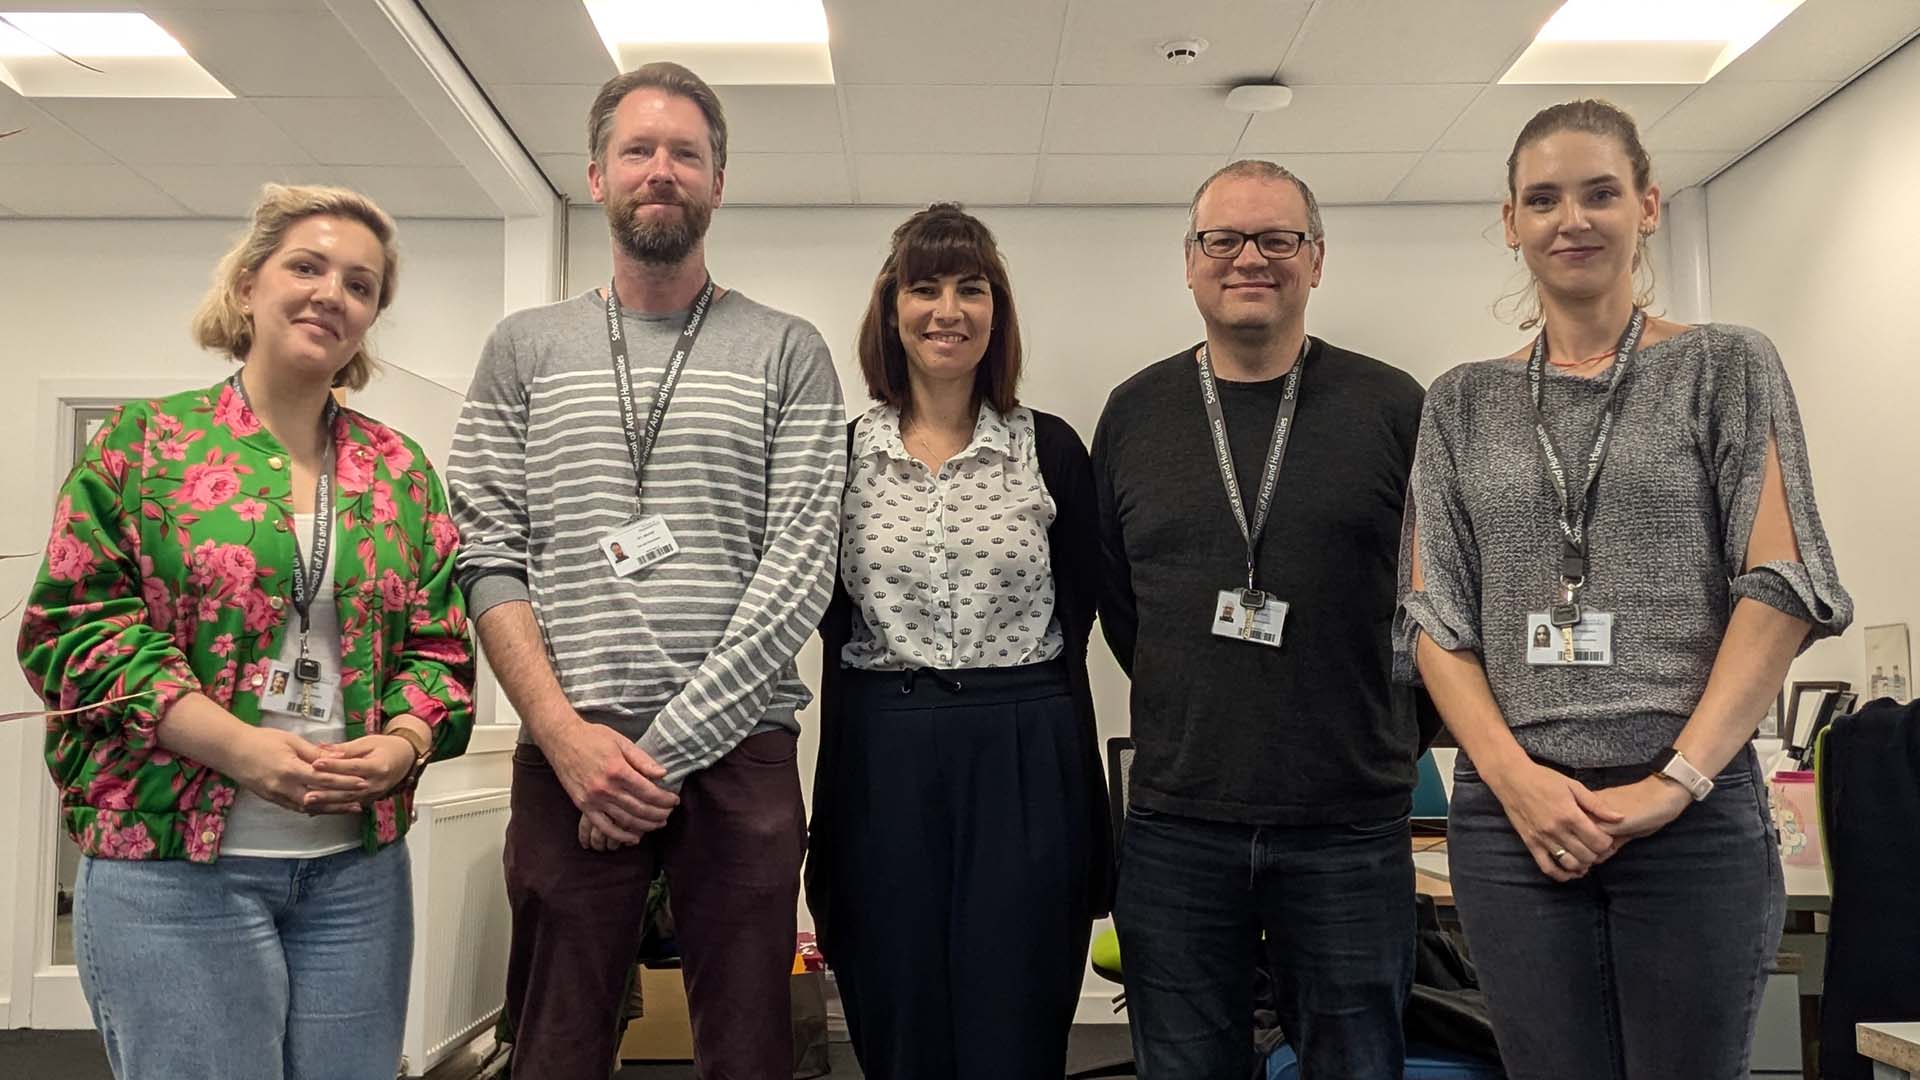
(1803, 711)
(1889, 663)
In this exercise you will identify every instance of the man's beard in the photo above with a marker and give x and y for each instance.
(658, 242)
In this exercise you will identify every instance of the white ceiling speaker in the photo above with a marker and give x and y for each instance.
(1182, 51)
(1259, 97)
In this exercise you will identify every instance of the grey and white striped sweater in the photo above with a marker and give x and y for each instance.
(695, 653)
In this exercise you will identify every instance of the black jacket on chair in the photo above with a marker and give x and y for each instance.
(1870, 807)
(1074, 547)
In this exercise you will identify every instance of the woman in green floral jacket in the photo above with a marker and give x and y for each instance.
(248, 635)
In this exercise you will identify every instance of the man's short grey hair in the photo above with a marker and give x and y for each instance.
(1261, 170)
(659, 75)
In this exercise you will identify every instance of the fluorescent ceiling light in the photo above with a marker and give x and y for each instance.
(728, 42)
(97, 54)
(1645, 41)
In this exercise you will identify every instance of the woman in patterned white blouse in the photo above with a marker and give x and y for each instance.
(959, 848)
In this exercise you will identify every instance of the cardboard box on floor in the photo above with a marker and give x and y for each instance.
(663, 1031)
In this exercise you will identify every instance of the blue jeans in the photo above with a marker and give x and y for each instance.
(1651, 966)
(248, 968)
(1335, 903)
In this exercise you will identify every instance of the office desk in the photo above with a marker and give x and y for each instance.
(1893, 1048)
(1430, 869)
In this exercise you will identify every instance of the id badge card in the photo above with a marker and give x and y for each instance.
(1587, 643)
(287, 692)
(1261, 624)
(635, 547)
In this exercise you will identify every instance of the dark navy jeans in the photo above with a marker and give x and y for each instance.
(1335, 905)
(1651, 966)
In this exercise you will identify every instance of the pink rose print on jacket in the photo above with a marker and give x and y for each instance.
(162, 529)
(389, 444)
(446, 536)
(69, 558)
(253, 677)
(212, 482)
(203, 834)
(445, 650)
(117, 842)
(385, 821)
(256, 609)
(353, 467)
(110, 792)
(63, 518)
(223, 569)
(232, 413)
(383, 508)
(396, 592)
(114, 463)
(422, 704)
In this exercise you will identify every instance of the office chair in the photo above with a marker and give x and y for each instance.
(1430, 794)
(1105, 953)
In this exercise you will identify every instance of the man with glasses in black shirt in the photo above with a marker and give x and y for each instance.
(1250, 492)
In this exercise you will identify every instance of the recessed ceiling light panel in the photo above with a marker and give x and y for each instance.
(104, 54)
(1645, 41)
(727, 42)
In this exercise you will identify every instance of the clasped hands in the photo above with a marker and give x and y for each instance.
(320, 778)
(1569, 829)
(616, 785)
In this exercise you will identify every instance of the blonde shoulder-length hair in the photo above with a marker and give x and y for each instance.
(222, 324)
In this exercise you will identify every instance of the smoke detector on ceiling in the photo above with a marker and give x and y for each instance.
(1182, 51)
(1259, 97)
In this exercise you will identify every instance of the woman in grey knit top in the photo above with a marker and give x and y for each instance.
(1603, 651)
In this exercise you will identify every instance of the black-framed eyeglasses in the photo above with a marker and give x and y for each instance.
(1226, 243)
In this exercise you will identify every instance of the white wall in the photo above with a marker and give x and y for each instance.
(1102, 294)
(107, 303)
(1813, 242)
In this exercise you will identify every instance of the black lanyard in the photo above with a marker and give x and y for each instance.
(305, 581)
(1575, 521)
(642, 437)
(1276, 453)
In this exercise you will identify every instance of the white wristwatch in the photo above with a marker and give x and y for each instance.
(1671, 765)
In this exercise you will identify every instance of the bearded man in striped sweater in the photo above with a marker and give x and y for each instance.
(647, 479)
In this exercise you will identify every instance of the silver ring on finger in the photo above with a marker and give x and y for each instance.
(1559, 853)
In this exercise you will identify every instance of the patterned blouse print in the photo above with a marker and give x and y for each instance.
(168, 572)
(948, 569)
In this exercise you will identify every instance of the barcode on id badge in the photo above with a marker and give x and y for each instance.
(1581, 657)
(1262, 635)
(658, 552)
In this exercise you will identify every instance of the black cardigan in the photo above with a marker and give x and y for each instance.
(1073, 543)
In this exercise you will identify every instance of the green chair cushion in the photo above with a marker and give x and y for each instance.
(1106, 955)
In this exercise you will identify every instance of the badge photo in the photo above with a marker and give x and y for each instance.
(1586, 643)
(1261, 624)
(286, 692)
(639, 545)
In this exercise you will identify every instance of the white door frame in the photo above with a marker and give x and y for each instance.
(45, 994)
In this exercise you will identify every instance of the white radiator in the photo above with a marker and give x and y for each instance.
(460, 924)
